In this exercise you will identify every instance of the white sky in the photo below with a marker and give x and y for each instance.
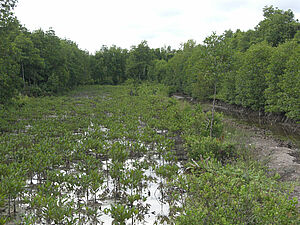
(93, 23)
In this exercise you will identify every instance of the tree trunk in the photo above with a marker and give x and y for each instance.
(23, 75)
(213, 111)
(9, 205)
(87, 195)
(15, 210)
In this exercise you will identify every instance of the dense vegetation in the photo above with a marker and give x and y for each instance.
(37, 63)
(258, 69)
(98, 150)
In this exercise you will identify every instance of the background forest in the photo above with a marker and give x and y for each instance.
(258, 69)
(97, 152)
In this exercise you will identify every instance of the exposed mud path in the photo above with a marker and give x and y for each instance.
(280, 156)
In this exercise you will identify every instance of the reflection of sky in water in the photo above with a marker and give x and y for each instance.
(156, 206)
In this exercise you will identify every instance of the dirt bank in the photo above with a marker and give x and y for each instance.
(279, 121)
(280, 156)
(274, 139)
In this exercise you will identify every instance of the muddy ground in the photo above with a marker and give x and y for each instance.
(282, 157)
(275, 141)
(275, 144)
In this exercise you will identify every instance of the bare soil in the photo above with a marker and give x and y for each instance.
(269, 147)
(279, 156)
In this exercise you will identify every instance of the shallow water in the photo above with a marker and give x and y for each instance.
(282, 131)
(278, 130)
(155, 203)
(157, 207)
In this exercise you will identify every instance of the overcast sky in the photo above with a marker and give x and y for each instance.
(93, 23)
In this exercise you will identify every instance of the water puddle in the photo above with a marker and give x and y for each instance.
(119, 179)
(153, 205)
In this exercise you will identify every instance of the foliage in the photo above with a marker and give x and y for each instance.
(29, 60)
(234, 194)
(9, 29)
(289, 83)
(62, 158)
(250, 80)
(278, 26)
(253, 68)
(283, 80)
(242, 68)
(207, 147)
(37, 63)
(158, 70)
(139, 61)
(109, 65)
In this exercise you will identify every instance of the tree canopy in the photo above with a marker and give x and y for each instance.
(257, 68)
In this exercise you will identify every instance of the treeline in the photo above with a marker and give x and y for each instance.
(115, 65)
(37, 63)
(40, 63)
(258, 68)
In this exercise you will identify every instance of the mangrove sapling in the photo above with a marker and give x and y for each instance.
(28, 220)
(84, 182)
(64, 147)
(162, 173)
(120, 213)
(58, 209)
(72, 144)
(118, 155)
(116, 170)
(13, 183)
(70, 182)
(134, 180)
(147, 136)
(2, 199)
(98, 149)
(38, 200)
(177, 188)
(160, 150)
(137, 149)
(92, 215)
(105, 167)
(97, 181)
(60, 178)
